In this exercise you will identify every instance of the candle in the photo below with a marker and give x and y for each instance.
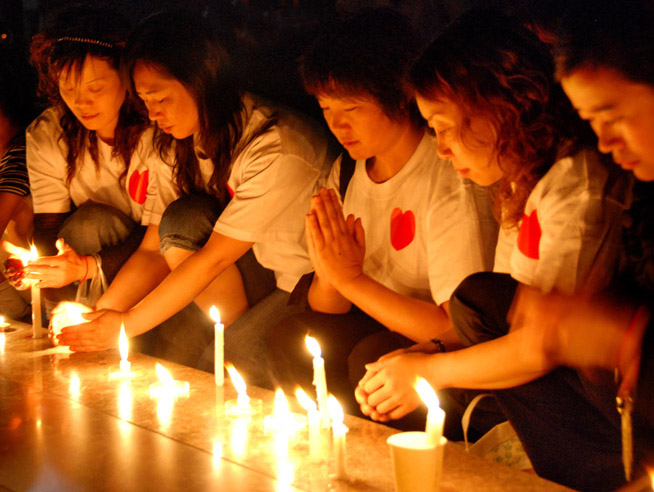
(243, 405)
(314, 422)
(2, 342)
(168, 387)
(219, 346)
(338, 430)
(435, 415)
(37, 332)
(319, 379)
(282, 419)
(3, 324)
(124, 370)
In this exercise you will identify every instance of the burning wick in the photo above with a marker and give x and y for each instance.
(319, 378)
(243, 405)
(125, 366)
(435, 415)
(168, 387)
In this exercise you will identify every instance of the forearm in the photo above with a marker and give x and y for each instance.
(497, 364)
(324, 298)
(176, 291)
(414, 318)
(139, 276)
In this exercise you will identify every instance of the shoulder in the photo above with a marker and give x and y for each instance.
(584, 171)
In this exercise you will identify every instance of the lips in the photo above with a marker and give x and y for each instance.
(349, 143)
(463, 172)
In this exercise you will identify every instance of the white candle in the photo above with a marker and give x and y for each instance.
(435, 415)
(219, 346)
(123, 347)
(319, 378)
(314, 422)
(167, 387)
(2, 342)
(37, 332)
(243, 406)
(3, 324)
(338, 430)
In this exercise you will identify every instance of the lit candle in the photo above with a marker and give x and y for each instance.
(243, 405)
(2, 342)
(125, 366)
(338, 430)
(435, 415)
(3, 324)
(314, 422)
(67, 314)
(319, 379)
(37, 331)
(219, 346)
(167, 386)
(282, 419)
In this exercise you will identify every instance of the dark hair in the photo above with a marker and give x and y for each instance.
(64, 44)
(368, 54)
(492, 67)
(606, 33)
(182, 45)
(17, 91)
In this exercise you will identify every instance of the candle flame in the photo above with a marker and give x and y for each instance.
(281, 405)
(237, 381)
(214, 314)
(123, 346)
(305, 400)
(313, 346)
(427, 394)
(335, 410)
(164, 375)
(33, 255)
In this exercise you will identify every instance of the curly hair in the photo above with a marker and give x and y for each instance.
(62, 47)
(494, 68)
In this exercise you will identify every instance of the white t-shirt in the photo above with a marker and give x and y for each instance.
(421, 226)
(47, 168)
(562, 227)
(273, 177)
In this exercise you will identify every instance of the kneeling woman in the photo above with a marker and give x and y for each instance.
(486, 87)
(90, 153)
(245, 171)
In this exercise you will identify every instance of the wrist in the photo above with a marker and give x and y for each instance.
(84, 268)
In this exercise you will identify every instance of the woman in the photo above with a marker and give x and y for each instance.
(382, 281)
(486, 87)
(245, 172)
(89, 155)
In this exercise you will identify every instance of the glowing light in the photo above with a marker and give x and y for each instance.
(427, 394)
(167, 387)
(75, 386)
(313, 346)
(2, 343)
(219, 347)
(338, 430)
(125, 401)
(67, 314)
(214, 314)
(239, 385)
(435, 415)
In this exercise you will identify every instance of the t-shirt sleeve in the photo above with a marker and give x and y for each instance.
(164, 192)
(271, 196)
(13, 170)
(47, 166)
(561, 231)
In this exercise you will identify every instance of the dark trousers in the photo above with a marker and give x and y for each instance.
(567, 423)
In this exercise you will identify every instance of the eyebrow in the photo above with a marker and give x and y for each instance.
(598, 109)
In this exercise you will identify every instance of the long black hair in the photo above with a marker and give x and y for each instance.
(63, 45)
(182, 45)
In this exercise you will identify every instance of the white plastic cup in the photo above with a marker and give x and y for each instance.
(417, 465)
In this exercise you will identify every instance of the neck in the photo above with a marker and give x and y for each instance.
(108, 133)
(387, 164)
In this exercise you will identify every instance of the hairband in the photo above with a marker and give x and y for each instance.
(87, 40)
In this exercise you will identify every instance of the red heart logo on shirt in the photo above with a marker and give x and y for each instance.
(529, 235)
(138, 186)
(403, 228)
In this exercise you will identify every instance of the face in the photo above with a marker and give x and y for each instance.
(361, 125)
(94, 96)
(474, 159)
(170, 105)
(621, 113)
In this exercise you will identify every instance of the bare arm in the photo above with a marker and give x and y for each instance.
(144, 270)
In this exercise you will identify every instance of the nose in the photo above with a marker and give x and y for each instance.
(443, 149)
(82, 98)
(337, 121)
(154, 111)
(608, 139)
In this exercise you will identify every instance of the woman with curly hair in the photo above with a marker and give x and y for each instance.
(487, 88)
(89, 155)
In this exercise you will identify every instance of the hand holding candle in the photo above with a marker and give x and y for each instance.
(219, 344)
(319, 378)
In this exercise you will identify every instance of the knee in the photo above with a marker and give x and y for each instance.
(94, 226)
(372, 348)
(188, 222)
